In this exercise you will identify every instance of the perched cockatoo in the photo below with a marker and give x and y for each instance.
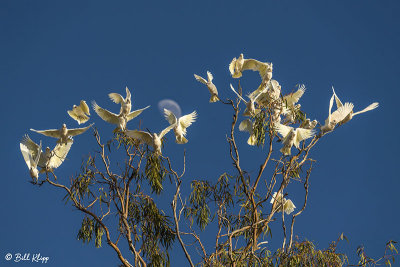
(211, 87)
(250, 108)
(50, 159)
(270, 92)
(247, 126)
(292, 137)
(283, 204)
(237, 66)
(352, 114)
(336, 117)
(64, 134)
(126, 103)
(180, 124)
(120, 120)
(31, 156)
(308, 124)
(80, 113)
(153, 139)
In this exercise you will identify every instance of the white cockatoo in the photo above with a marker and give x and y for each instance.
(288, 103)
(120, 120)
(180, 124)
(270, 92)
(308, 124)
(64, 134)
(80, 113)
(153, 139)
(126, 103)
(283, 204)
(250, 110)
(336, 117)
(292, 137)
(50, 159)
(352, 114)
(31, 156)
(211, 87)
(237, 66)
(247, 126)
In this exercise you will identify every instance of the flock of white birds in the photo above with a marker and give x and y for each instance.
(268, 94)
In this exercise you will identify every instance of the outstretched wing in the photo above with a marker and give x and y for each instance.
(51, 133)
(140, 135)
(59, 154)
(200, 79)
(84, 107)
(135, 113)
(169, 116)
(302, 134)
(338, 115)
(105, 114)
(370, 107)
(77, 131)
(187, 120)
(246, 126)
(283, 129)
(232, 66)
(116, 98)
(166, 130)
(128, 93)
(293, 98)
(255, 65)
(210, 77)
(338, 102)
(30, 151)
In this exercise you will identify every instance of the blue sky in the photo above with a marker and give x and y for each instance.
(53, 54)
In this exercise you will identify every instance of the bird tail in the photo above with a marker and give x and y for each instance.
(181, 140)
(214, 98)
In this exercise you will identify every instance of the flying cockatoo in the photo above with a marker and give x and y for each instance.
(292, 137)
(288, 106)
(237, 66)
(31, 156)
(50, 159)
(80, 113)
(247, 126)
(180, 124)
(336, 117)
(126, 103)
(250, 108)
(211, 87)
(153, 139)
(120, 120)
(352, 114)
(283, 204)
(64, 134)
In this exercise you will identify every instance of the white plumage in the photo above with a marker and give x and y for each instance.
(211, 87)
(63, 134)
(237, 66)
(120, 120)
(283, 204)
(250, 107)
(153, 139)
(126, 103)
(31, 156)
(336, 117)
(292, 137)
(80, 113)
(180, 124)
(247, 126)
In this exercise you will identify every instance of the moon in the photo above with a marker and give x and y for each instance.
(170, 105)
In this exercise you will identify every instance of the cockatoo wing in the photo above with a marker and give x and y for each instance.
(341, 113)
(293, 98)
(337, 100)
(288, 207)
(232, 66)
(246, 126)
(166, 130)
(328, 120)
(30, 151)
(233, 89)
(59, 154)
(77, 131)
(128, 93)
(140, 135)
(283, 129)
(51, 133)
(302, 134)
(210, 77)
(135, 113)
(200, 79)
(370, 107)
(255, 65)
(187, 120)
(169, 116)
(84, 107)
(116, 98)
(105, 114)
(26, 154)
